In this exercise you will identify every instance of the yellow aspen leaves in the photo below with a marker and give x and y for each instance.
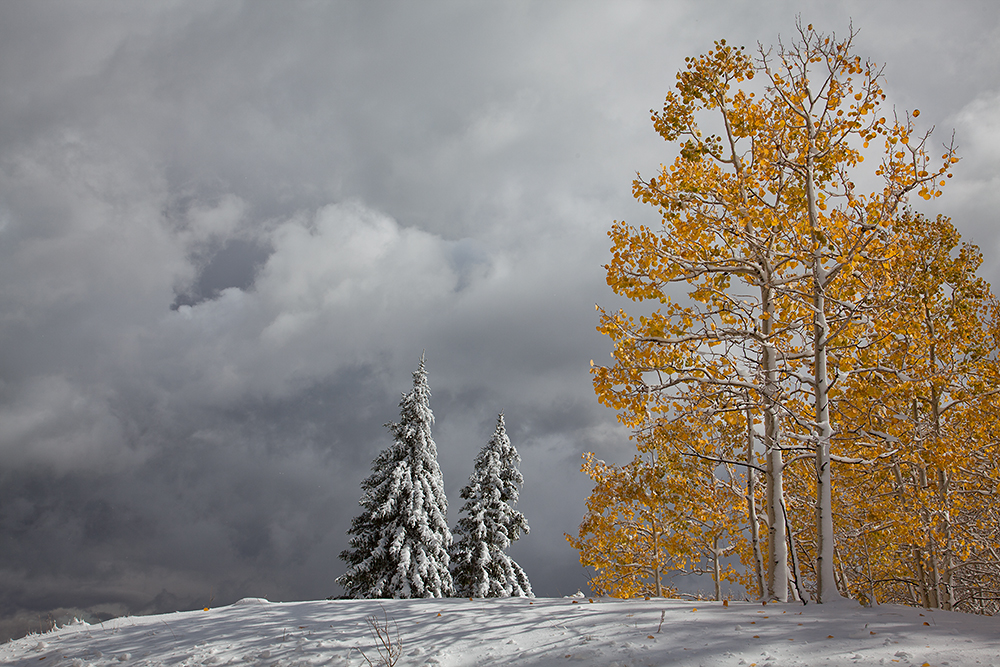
(796, 283)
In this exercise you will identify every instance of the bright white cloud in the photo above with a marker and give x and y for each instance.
(342, 284)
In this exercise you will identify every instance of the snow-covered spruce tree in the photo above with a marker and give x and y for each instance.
(399, 547)
(481, 568)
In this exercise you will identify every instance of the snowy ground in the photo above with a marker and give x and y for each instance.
(522, 632)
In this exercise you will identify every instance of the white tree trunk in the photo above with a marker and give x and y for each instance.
(758, 559)
(777, 566)
(826, 585)
(717, 567)
(777, 551)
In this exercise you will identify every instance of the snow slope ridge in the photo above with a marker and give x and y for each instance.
(518, 631)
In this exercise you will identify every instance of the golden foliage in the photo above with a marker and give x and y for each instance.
(851, 331)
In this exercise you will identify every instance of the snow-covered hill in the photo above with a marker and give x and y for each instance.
(517, 631)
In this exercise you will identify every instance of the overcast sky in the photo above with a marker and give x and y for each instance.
(228, 230)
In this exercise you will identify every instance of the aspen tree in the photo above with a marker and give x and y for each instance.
(660, 515)
(924, 392)
(830, 101)
(628, 535)
(763, 221)
(722, 212)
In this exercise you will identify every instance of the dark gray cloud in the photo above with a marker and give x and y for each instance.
(228, 231)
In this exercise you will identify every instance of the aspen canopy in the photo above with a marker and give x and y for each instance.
(828, 350)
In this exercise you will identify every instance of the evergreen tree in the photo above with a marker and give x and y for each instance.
(482, 568)
(399, 547)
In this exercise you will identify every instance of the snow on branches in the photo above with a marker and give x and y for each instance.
(399, 547)
(481, 566)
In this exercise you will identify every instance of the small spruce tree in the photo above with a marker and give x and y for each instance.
(399, 547)
(481, 566)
